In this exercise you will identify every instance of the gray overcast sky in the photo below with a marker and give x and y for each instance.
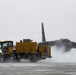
(22, 19)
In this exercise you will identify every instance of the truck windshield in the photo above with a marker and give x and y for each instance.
(7, 44)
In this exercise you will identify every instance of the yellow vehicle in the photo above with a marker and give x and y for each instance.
(26, 49)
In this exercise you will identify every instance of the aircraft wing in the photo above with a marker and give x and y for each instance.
(66, 43)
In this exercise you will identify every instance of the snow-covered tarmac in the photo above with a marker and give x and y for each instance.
(39, 68)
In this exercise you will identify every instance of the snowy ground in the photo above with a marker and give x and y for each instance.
(39, 68)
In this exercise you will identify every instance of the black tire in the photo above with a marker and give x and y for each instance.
(0, 54)
(6, 59)
(18, 58)
(33, 58)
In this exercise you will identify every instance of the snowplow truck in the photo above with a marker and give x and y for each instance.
(25, 49)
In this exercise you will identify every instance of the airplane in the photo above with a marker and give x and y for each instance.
(66, 43)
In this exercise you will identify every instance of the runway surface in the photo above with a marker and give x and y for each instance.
(59, 64)
(39, 68)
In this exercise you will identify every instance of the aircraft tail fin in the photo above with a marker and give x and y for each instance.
(43, 34)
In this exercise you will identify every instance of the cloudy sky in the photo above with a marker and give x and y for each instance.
(22, 19)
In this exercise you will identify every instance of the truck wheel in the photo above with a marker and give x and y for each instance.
(33, 58)
(0, 54)
(18, 58)
(5, 59)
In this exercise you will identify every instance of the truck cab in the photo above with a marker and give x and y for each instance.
(6, 46)
(7, 49)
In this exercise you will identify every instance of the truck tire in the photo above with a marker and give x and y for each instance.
(6, 58)
(0, 54)
(33, 58)
(18, 58)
